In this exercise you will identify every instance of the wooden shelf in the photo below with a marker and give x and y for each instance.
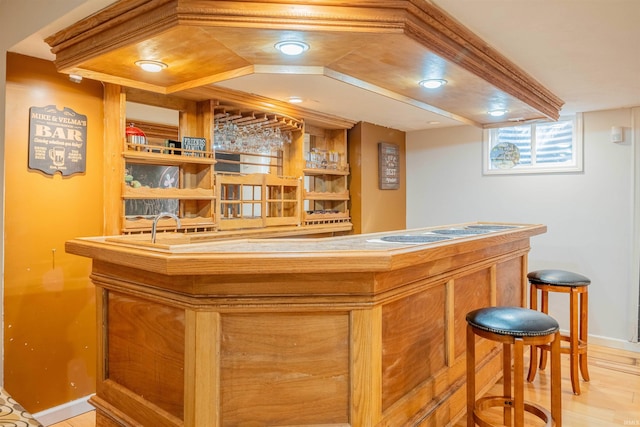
(315, 172)
(272, 221)
(152, 158)
(326, 196)
(257, 200)
(142, 223)
(233, 192)
(240, 223)
(168, 193)
(326, 190)
(327, 218)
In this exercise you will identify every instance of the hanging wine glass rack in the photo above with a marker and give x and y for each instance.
(251, 132)
(243, 117)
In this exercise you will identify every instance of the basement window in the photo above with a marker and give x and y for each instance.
(540, 147)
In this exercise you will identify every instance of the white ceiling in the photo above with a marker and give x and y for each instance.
(584, 51)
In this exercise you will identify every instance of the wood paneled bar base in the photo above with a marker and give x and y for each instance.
(339, 331)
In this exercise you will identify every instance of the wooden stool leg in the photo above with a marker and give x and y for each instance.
(533, 358)
(471, 376)
(506, 381)
(518, 373)
(533, 365)
(584, 321)
(545, 310)
(556, 391)
(573, 341)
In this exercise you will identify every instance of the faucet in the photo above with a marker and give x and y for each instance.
(157, 218)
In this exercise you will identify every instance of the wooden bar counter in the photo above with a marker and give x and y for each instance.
(340, 331)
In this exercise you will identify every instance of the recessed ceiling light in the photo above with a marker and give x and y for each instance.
(295, 99)
(151, 66)
(76, 78)
(291, 47)
(497, 113)
(433, 83)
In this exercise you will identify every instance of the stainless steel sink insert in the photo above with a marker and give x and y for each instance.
(461, 231)
(413, 239)
(492, 227)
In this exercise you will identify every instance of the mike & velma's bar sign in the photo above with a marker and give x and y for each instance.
(57, 140)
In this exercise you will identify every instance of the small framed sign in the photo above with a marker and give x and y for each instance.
(57, 140)
(193, 146)
(388, 166)
(174, 146)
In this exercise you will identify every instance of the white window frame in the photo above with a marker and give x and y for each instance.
(575, 166)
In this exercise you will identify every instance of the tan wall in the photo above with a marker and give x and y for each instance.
(49, 311)
(373, 210)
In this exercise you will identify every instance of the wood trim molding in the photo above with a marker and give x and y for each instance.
(448, 38)
(114, 109)
(132, 21)
(112, 27)
(156, 130)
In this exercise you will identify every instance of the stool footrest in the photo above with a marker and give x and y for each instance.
(507, 402)
(582, 346)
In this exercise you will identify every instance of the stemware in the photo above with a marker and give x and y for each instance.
(251, 138)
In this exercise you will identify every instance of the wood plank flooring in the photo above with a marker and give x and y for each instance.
(88, 419)
(611, 398)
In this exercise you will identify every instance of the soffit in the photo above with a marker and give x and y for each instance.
(385, 47)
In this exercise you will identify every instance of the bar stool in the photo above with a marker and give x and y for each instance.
(517, 327)
(574, 284)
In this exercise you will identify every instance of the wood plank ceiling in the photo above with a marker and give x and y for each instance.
(386, 46)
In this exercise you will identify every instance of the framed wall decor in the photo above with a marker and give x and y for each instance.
(388, 166)
(57, 140)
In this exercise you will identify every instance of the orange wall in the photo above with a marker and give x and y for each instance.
(373, 210)
(49, 305)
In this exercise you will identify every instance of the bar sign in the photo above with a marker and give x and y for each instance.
(57, 140)
(193, 146)
(388, 166)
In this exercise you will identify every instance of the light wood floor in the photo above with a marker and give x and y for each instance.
(611, 398)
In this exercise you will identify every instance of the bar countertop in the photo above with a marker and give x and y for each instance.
(386, 251)
(350, 331)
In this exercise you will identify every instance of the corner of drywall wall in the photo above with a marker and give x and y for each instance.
(3, 78)
(634, 291)
(354, 156)
(373, 209)
(49, 300)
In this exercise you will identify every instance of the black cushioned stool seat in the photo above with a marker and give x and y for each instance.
(576, 285)
(517, 327)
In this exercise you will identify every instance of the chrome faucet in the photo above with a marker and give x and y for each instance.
(157, 218)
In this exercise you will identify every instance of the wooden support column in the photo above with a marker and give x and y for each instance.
(450, 324)
(114, 129)
(366, 367)
(205, 121)
(524, 281)
(202, 369)
(189, 120)
(493, 293)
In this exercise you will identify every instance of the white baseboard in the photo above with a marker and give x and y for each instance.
(65, 411)
(614, 343)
